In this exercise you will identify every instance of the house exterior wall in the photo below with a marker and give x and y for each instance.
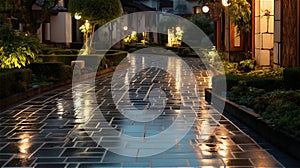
(290, 33)
(61, 28)
(152, 3)
(277, 33)
(264, 32)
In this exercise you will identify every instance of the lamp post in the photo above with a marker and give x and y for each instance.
(77, 16)
(226, 5)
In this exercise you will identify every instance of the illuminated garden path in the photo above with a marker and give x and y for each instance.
(52, 129)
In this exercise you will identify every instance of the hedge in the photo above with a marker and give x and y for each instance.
(57, 51)
(291, 78)
(112, 56)
(266, 83)
(14, 81)
(54, 71)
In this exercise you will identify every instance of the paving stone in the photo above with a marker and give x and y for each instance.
(50, 152)
(19, 162)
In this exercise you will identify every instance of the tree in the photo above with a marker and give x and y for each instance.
(17, 49)
(204, 24)
(240, 15)
(27, 16)
(95, 12)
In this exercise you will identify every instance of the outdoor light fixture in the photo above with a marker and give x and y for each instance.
(125, 28)
(77, 16)
(205, 9)
(225, 3)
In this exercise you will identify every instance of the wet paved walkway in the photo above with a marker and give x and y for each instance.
(61, 129)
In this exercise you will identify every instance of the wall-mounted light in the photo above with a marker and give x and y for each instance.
(125, 28)
(205, 9)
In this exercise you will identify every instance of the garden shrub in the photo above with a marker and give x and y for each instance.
(134, 47)
(53, 71)
(62, 52)
(247, 65)
(244, 94)
(239, 56)
(280, 108)
(90, 60)
(183, 51)
(65, 59)
(76, 45)
(14, 81)
(266, 83)
(291, 78)
(17, 49)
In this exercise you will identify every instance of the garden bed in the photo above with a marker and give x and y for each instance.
(278, 137)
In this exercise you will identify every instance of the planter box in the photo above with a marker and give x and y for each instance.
(288, 143)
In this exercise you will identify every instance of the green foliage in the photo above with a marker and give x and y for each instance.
(203, 23)
(23, 8)
(281, 109)
(267, 72)
(247, 65)
(17, 49)
(132, 38)
(96, 11)
(59, 51)
(54, 71)
(240, 15)
(14, 81)
(244, 94)
(291, 78)
(266, 83)
(231, 67)
(238, 56)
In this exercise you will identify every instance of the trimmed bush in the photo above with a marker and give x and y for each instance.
(291, 78)
(113, 55)
(266, 83)
(14, 81)
(58, 51)
(65, 59)
(53, 71)
(134, 47)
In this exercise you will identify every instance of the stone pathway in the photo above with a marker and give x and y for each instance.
(64, 128)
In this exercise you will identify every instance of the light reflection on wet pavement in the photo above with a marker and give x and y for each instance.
(58, 128)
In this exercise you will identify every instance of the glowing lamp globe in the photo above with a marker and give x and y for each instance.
(205, 9)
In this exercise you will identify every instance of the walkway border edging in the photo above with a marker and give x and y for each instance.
(288, 143)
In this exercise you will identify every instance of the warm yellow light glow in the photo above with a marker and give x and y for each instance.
(133, 33)
(205, 9)
(225, 3)
(77, 16)
(24, 144)
(178, 75)
(87, 24)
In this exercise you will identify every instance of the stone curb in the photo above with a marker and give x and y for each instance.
(288, 143)
(6, 102)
